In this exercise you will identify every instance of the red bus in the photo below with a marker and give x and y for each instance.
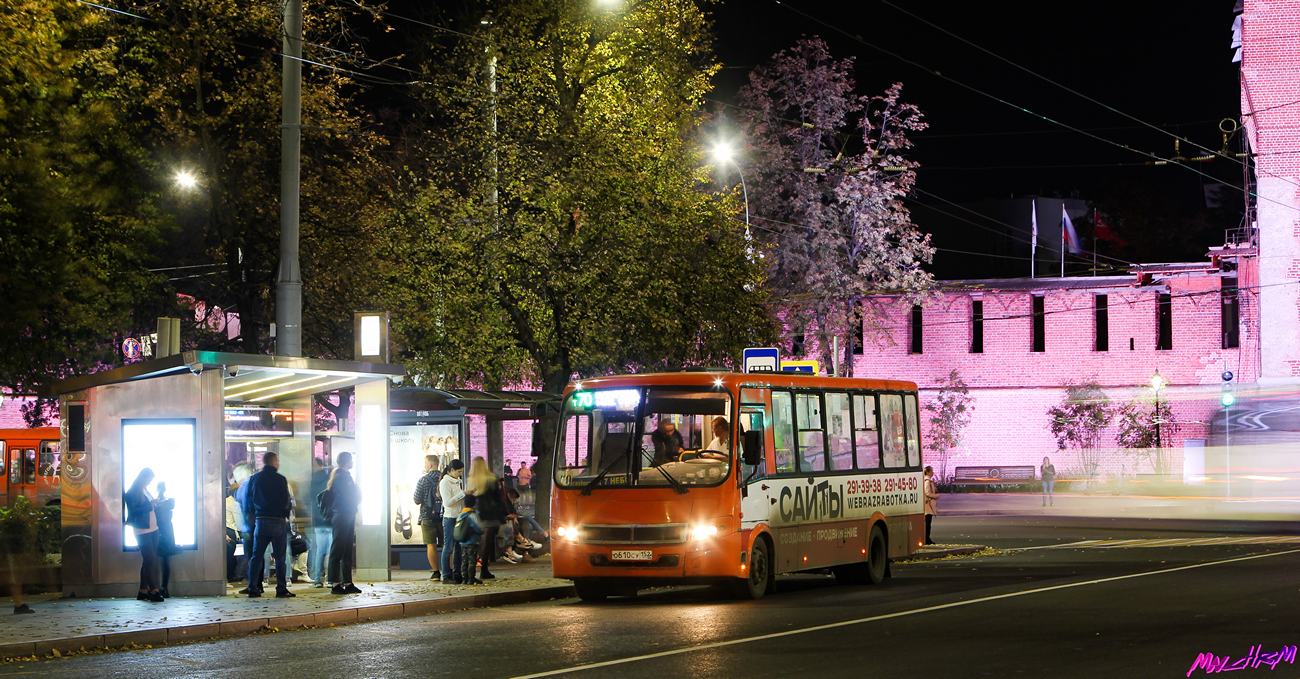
(824, 474)
(31, 458)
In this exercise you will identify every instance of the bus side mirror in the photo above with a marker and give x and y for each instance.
(753, 453)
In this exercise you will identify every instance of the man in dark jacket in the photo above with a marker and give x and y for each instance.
(268, 513)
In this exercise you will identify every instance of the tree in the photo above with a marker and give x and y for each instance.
(202, 81)
(76, 226)
(1078, 421)
(951, 408)
(566, 230)
(830, 177)
(1145, 427)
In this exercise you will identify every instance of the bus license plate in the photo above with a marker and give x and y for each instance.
(632, 555)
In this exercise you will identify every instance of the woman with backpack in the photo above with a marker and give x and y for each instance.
(490, 503)
(341, 499)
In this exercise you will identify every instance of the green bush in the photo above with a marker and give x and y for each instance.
(31, 531)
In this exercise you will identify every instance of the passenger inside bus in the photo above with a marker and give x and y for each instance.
(667, 442)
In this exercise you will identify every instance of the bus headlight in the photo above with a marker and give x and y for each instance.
(566, 533)
(703, 532)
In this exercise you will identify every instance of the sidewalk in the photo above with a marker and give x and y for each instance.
(67, 625)
(1122, 506)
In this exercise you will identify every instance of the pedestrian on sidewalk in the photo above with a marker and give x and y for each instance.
(491, 508)
(345, 498)
(322, 533)
(233, 519)
(469, 535)
(526, 505)
(163, 509)
(140, 516)
(269, 505)
(931, 502)
(452, 492)
(18, 552)
(1048, 472)
(426, 497)
(242, 473)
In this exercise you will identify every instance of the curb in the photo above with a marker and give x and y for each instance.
(229, 628)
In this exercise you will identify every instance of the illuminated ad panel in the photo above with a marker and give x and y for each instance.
(254, 422)
(368, 464)
(407, 447)
(166, 447)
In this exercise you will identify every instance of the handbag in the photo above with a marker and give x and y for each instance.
(297, 543)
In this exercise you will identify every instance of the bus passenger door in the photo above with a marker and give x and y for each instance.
(22, 473)
(755, 503)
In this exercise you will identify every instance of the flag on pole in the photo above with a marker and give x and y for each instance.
(1033, 235)
(1069, 237)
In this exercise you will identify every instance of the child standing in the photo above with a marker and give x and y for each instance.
(469, 535)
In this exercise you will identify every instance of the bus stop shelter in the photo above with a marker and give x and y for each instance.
(187, 417)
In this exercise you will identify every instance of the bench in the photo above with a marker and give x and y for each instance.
(994, 475)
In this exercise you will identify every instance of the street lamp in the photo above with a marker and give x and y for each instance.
(723, 154)
(1157, 383)
(186, 179)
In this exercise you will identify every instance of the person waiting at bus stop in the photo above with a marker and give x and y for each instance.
(667, 441)
(268, 508)
(931, 502)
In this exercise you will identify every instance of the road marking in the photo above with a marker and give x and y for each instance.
(900, 614)
(1172, 542)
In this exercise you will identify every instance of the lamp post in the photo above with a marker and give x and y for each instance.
(1158, 382)
(723, 154)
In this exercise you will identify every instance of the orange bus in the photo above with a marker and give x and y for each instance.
(31, 459)
(650, 490)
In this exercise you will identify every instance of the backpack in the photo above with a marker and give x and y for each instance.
(490, 504)
(325, 504)
(463, 530)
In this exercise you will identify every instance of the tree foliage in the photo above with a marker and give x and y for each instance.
(76, 223)
(951, 409)
(1146, 426)
(830, 177)
(565, 230)
(1077, 422)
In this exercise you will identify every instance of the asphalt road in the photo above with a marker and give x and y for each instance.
(1108, 608)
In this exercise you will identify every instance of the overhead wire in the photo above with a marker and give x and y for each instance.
(1018, 107)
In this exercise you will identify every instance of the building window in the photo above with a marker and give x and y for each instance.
(916, 329)
(857, 328)
(1231, 314)
(1040, 325)
(977, 326)
(797, 345)
(1101, 317)
(1164, 322)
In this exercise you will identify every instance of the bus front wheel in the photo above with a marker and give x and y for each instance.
(760, 572)
(590, 590)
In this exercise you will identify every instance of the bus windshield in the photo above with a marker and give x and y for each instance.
(646, 436)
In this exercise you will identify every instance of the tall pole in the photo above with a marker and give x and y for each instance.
(745, 192)
(288, 289)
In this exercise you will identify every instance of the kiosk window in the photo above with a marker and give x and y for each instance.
(892, 438)
(812, 437)
(913, 434)
(866, 440)
(783, 431)
(839, 430)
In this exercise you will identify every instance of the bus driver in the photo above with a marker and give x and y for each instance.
(668, 442)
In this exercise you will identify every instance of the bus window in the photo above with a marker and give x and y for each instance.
(49, 461)
(866, 440)
(576, 451)
(839, 430)
(812, 438)
(891, 431)
(752, 419)
(783, 429)
(913, 437)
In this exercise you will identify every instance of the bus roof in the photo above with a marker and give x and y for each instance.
(29, 434)
(734, 380)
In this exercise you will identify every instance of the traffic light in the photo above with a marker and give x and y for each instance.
(1227, 398)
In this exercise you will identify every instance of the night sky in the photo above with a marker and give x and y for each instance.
(1168, 64)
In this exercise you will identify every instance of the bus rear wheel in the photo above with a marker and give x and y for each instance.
(873, 570)
(590, 590)
(760, 573)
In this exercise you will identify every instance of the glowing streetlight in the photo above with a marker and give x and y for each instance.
(1158, 382)
(724, 154)
(186, 179)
